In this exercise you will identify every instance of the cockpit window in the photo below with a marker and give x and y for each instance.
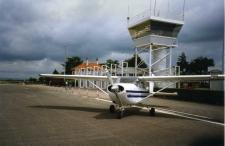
(128, 79)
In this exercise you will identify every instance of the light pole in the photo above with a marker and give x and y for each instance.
(65, 59)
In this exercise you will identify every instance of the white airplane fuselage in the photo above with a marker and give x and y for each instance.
(126, 93)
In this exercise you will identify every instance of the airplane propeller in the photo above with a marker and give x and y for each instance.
(115, 88)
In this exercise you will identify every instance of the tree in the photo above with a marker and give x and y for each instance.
(131, 62)
(110, 61)
(31, 79)
(72, 62)
(42, 80)
(200, 65)
(182, 62)
(197, 66)
(55, 72)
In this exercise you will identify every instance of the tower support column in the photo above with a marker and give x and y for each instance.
(136, 65)
(150, 60)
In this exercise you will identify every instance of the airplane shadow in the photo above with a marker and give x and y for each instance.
(104, 113)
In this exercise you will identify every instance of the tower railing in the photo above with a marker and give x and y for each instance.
(147, 14)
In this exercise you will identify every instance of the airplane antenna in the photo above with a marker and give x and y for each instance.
(154, 7)
(183, 9)
(128, 9)
(128, 12)
(150, 7)
(168, 10)
(65, 59)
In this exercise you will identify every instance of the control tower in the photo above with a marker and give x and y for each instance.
(156, 33)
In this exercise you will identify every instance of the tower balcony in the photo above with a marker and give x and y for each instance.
(156, 40)
(150, 15)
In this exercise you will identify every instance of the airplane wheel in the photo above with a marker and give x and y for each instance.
(112, 109)
(120, 114)
(152, 112)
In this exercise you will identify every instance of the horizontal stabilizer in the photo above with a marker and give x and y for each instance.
(180, 78)
(165, 93)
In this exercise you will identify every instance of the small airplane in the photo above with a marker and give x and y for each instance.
(126, 92)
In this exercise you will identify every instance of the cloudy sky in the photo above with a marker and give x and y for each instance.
(33, 34)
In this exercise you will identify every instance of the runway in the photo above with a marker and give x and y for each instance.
(38, 115)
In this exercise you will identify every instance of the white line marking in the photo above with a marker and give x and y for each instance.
(204, 117)
(193, 118)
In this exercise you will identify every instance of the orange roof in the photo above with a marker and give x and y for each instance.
(89, 65)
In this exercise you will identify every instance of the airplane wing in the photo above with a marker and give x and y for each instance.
(187, 78)
(88, 77)
(182, 78)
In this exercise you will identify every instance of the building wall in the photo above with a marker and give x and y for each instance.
(215, 85)
(90, 68)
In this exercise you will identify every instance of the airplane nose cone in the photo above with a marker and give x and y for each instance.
(115, 88)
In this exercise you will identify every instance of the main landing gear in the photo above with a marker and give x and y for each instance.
(120, 111)
(112, 109)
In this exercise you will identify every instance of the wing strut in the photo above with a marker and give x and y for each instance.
(98, 87)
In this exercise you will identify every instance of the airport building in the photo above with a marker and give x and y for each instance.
(98, 69)
(90, 68)
(215, 85)
(154, 31)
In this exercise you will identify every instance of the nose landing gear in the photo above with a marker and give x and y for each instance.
(112, 109)
(152, 112)
(118, 110)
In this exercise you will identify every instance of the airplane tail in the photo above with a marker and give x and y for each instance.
(165, 93)
(151, 87)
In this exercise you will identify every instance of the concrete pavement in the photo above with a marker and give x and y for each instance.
(40, 115)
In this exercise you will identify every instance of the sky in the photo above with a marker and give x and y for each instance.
(34, 34)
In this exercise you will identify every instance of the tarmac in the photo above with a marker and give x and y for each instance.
(38, 115)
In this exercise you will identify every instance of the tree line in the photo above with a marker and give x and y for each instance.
(196, 66)
(74, 61)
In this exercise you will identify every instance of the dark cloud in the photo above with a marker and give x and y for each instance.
(203, 31)
(31, 32)
(204, 21)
